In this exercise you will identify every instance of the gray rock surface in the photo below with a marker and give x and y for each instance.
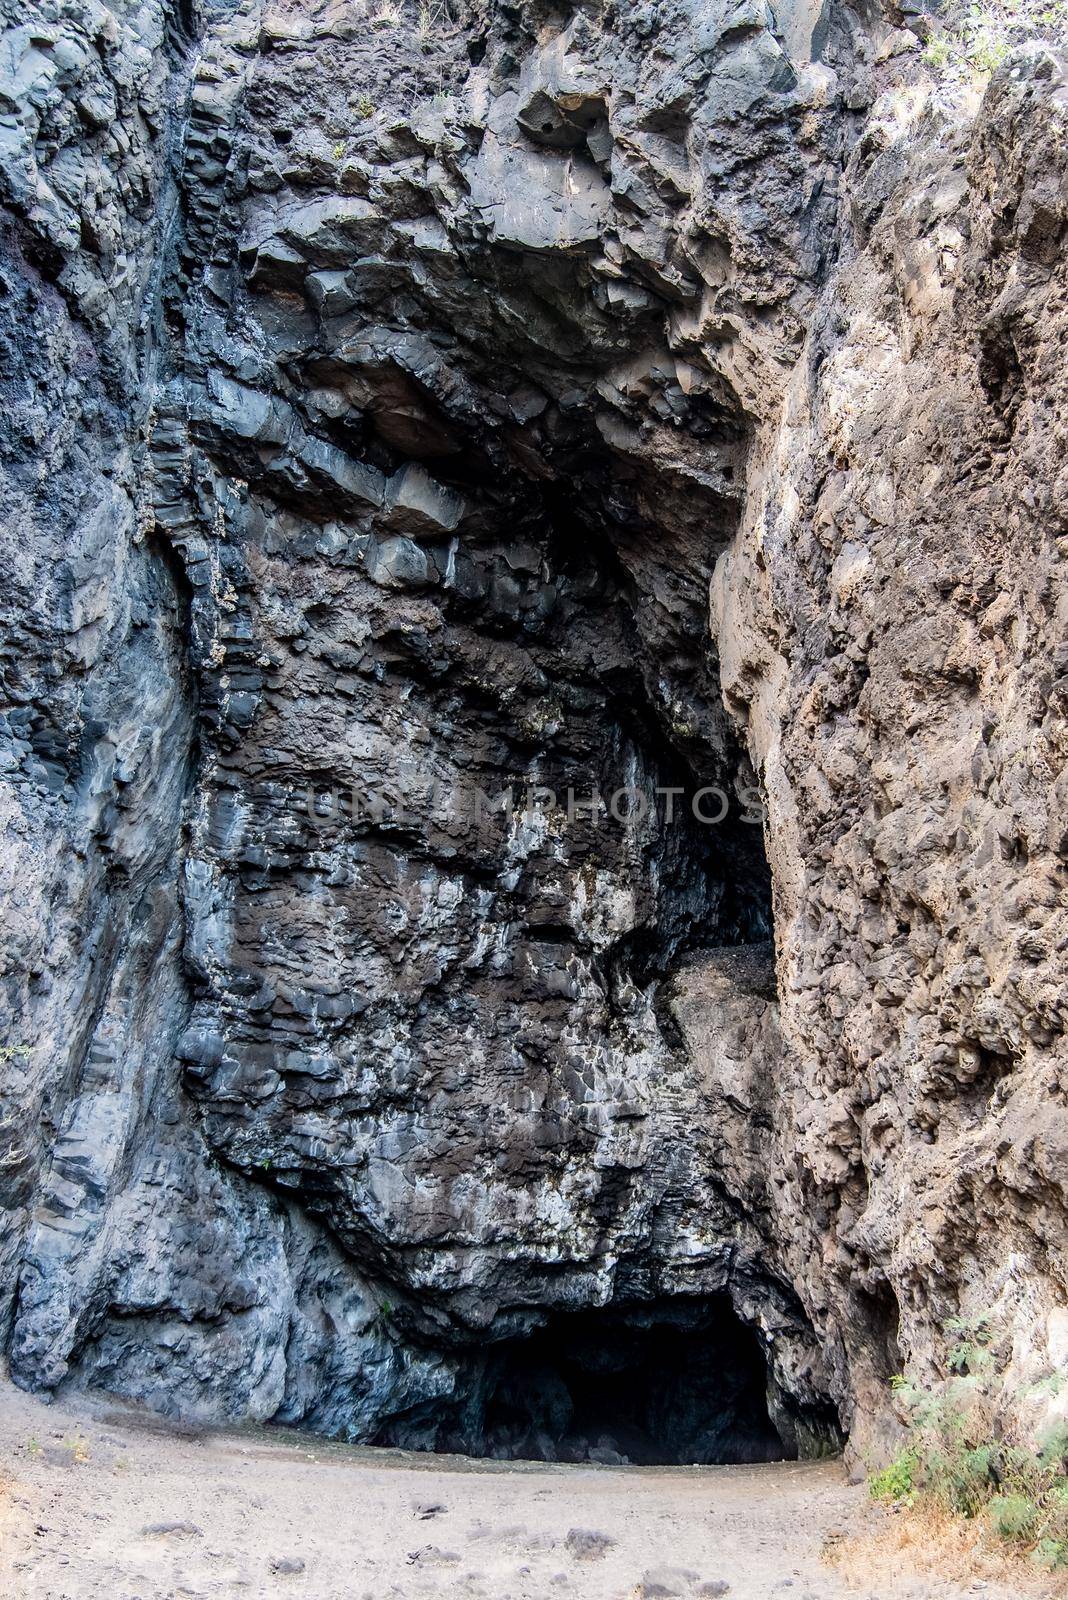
(664, 398)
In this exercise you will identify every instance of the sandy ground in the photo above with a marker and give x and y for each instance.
(98, 1500)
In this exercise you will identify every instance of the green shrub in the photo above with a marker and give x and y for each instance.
(970, 1349)
(1050, 1554)
(897, 1481)
(1013, 1516)
(960, 1476)
(1053, 1449)
(963, 1457)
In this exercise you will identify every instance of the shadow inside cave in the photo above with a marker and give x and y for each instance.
(663, 1384)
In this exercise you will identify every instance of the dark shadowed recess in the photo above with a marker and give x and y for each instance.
(677, 1383)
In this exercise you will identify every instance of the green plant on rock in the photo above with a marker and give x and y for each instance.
(1053, 1448)
(962, 1456)
(1051, 1384)
(1050, 1554)
(974, 39)
(896, 1483)
(972, 1337)
(960, 1475)
(1013, 1516)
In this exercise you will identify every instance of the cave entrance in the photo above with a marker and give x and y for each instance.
(648, 1386)
(657, 1389)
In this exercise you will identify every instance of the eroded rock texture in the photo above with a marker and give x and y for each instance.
(410, 409)
(891, 621)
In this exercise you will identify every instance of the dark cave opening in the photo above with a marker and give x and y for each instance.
(672, 1384)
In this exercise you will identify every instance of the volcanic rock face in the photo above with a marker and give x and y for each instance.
(906, 712)
(400, 1041)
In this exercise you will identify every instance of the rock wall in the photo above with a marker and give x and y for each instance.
(891, 622)
(390, 392)
(97, 709)
(129, 1255)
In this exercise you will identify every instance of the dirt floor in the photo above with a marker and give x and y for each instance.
(100, 1500)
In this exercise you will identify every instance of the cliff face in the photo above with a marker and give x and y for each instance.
(891, 620)
(410, 410)
(98, 711)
